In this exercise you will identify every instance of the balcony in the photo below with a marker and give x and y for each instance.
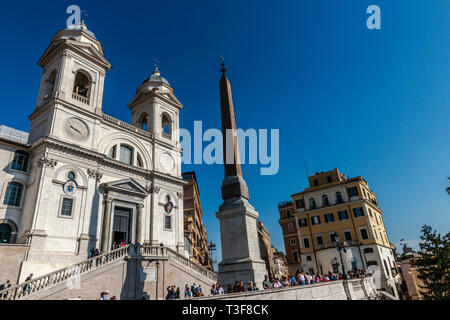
(330, 245)
(80, 98)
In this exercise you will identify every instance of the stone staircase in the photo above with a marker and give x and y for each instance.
(42, 286)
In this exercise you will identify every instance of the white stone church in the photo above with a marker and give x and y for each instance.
(82, 179)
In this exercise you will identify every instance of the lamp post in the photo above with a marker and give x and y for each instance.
(340, 246)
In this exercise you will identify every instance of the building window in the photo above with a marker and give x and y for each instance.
(376, 218)
(372, 263)
(308, 258)
(139, 161)
(329, 217)
(112, 153)
(50, 85)
(368, 250)
(302, 222)
(315, 220)
(325, 202)
(339, 198)
(13, 195)
(358, 212)
(300, 203)
(329, 179)
(81, 85)
(166, 125)
(312, 203)
(343, 215)
(126, 155)
(20, 162)
(364, 234)
(319, 240)
(71, 176)
(353, 191)
(295, 256)
(5, 233)
(290, 227)
(67, 207)
(306, 242)
(348, 236)
(293, 242)
(168, 222)
(316, 182)
(143, 122)
(288, 214)
(370, 214)
(333, 237)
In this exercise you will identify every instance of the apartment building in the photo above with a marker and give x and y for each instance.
(339, 228)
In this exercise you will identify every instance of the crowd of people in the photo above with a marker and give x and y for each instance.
(300, 278)
(189, 292)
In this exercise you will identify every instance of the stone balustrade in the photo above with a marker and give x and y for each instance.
(127, 126)
(80, 98)
(57, 277)
(49, 280)
(164, 252)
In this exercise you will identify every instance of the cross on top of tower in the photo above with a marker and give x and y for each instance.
(83, 16)
(156, 63)
(223, 69)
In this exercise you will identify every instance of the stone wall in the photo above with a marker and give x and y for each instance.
(357, 289)
(129, 279)
(11, 257)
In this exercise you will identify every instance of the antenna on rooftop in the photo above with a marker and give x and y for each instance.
(306, 168)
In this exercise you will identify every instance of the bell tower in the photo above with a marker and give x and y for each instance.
(73, 75)
(156, 109)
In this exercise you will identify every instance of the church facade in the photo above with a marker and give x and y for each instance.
(83, 179)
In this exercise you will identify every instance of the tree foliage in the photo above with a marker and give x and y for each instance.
(434, 264)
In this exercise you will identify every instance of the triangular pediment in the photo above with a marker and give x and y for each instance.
(129, 186)
(86, 49)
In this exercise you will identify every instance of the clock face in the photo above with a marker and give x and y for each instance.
(167, 162)
(76, 129)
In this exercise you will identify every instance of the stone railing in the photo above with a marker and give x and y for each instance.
(127, 126)
(164, 252)
(57, 277)
(80, 98)
(353, 289)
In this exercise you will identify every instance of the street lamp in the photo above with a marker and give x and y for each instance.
(340, 246)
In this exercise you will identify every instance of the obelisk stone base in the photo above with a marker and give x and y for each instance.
(241, 257)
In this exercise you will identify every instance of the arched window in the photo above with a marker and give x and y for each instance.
(50, 85)
(143, 122)
(325, 202)
(166, 125)
(139, 162)
(126, 155)
(20, 161)
(339, 197)
(5, 233)
(81, 85)
(112, 152)
(312, 203)
(13, 195)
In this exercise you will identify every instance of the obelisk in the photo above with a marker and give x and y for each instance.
(241, 257)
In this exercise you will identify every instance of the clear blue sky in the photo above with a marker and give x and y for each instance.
(371, 103)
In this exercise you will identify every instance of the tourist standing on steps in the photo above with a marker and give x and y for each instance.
(230, 289)
(27, 287)
(266, 283)
(212, 290)
(171, 294)
(218, 290)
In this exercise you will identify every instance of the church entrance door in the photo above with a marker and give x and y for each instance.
(122, 225)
